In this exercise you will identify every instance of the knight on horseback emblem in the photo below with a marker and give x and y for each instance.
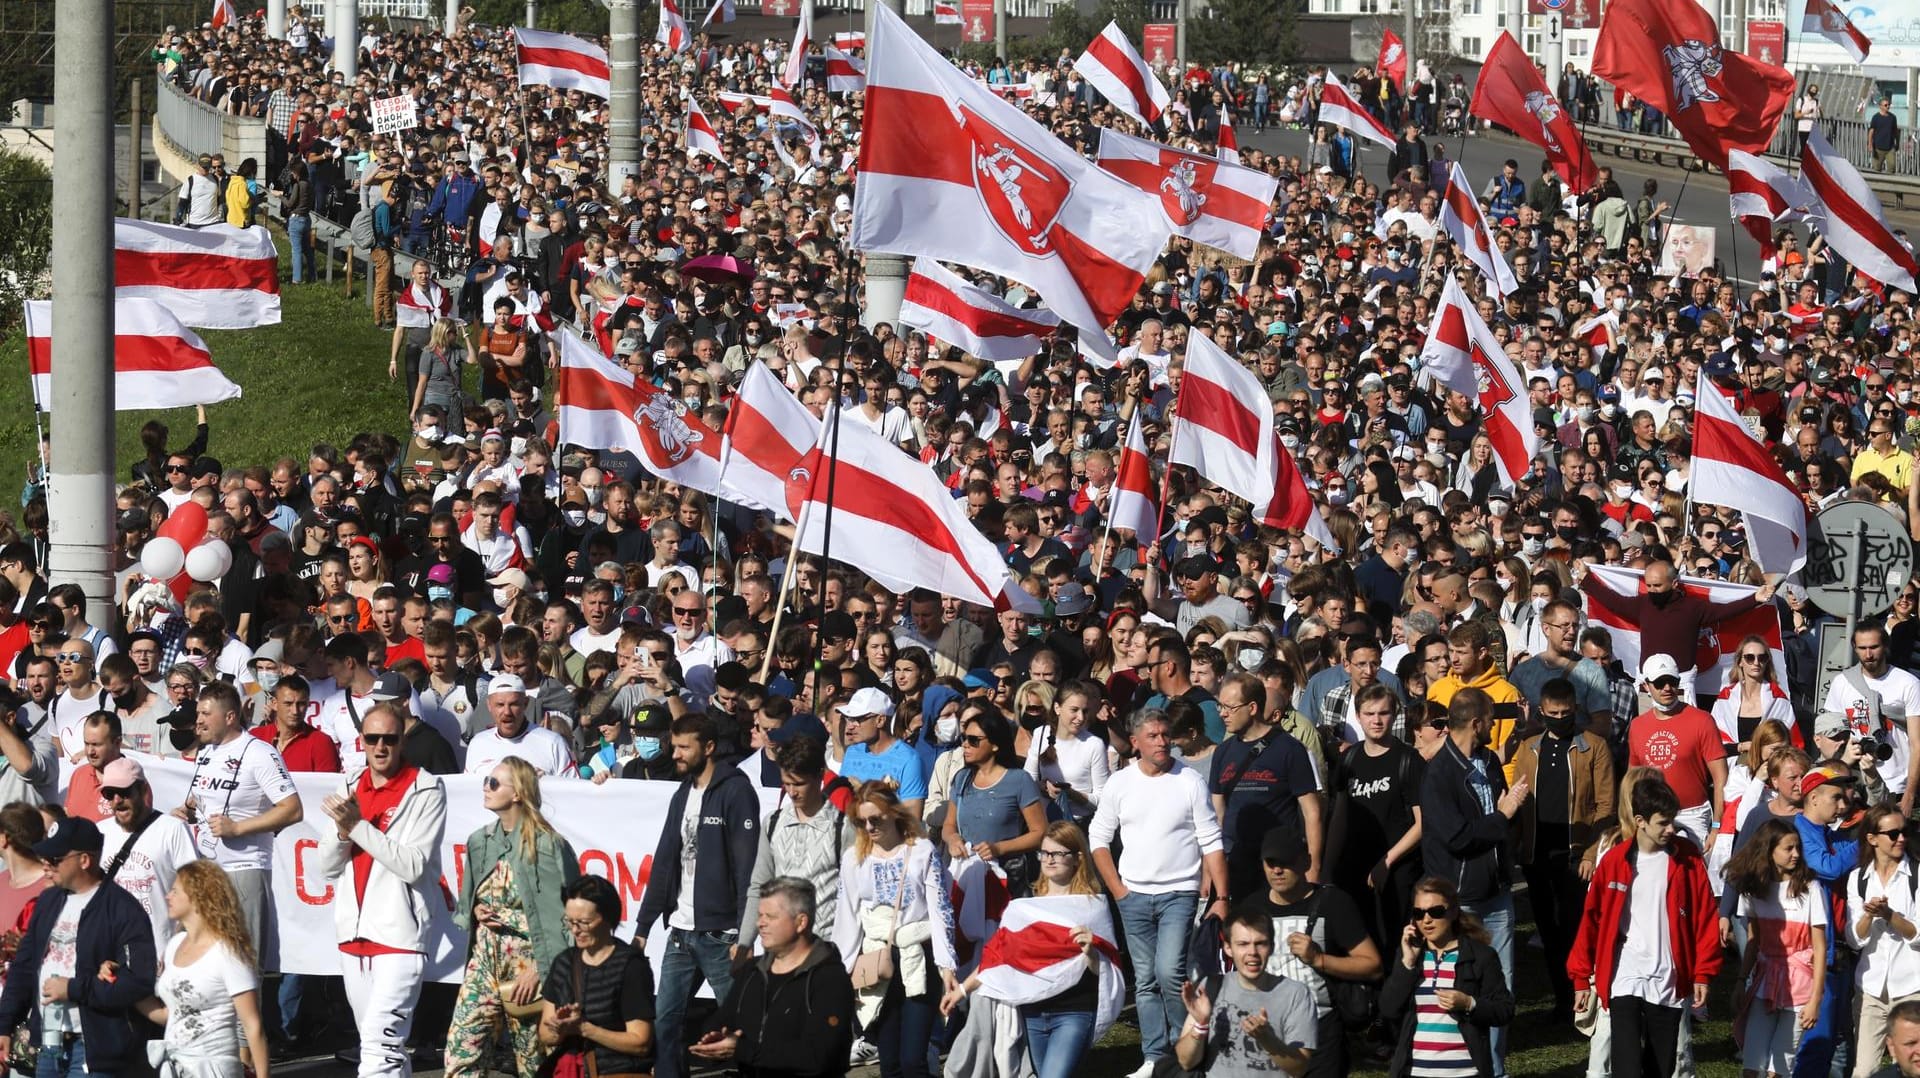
(1690, 64)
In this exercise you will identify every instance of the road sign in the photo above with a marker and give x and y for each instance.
(1859, 556)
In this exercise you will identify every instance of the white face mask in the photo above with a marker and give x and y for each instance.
(1251, 659)
(1505, 582)
(1532, 547)
(1291, 441)
(1498, 509)
(430, 434)
(1584, 413)
(1619, 303)
(946, 728)
(575, 518)
(1539, 604)
(1623, 491)
(501, 597)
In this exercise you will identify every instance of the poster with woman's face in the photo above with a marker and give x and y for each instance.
(1687, 250)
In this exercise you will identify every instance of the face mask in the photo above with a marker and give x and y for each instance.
(753, 340)
(1291, 441)
(648, 747)
(1679, 702)
(1663, 598)
(1567, 534)
(1179, 753)
(1505, 582)
(1619, 303)
(1539, 604)
(946, 729)
(1608, 411)
(1250, 659)
(1498, 509)
(429, 434)
(1584, 413)
(1558, 726)
(593, 494)
(1905, 396)
(575, 518)
(1532, 546)
(199, 662)
(267, 679)
(1337, 497)
(501, 598)
(1623, 491)
(437, 592)
(692, 403)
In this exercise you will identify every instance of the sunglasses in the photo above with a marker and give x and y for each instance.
(972, 741)
(1430, 913)
(491, 783)
(114, 793)
(1667, 683)
(382, 739)
(1753, 658)
(1895, 833)
(198, 653)
(872, 822)
(171, 468)
(76, 657)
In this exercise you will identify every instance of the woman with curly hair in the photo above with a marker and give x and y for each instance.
(207, 979)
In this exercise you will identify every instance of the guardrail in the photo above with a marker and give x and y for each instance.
(1901, 190)
(193, 127)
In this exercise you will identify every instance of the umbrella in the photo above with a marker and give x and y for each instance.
(717, 269)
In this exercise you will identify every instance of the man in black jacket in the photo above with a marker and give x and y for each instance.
(791, 1011)
(699, 883)
(80, 922)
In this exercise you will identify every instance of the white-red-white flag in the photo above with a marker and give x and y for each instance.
(218, 277)
(848, 40)
(768, 431)
(415, 307)
(531, 312)
(563, 62)
(1226, 144)
(796, 67)
(701, 137)
(1851, 218)
(894, 520)
(948, 170)
(721, 12)
(601, 405)
(1761, 194)
(1205, 199)
(223, 14)
(1718, 651)
(1462, 354)
(1825, 18)
(1338, 107)
(157, 361)
(672, 31)
(1223, 426)
(1599, 333)
(946, 13)
(1291, 506)
(1115, 68)
(1467, 227)
(1732, 468)
(846, 73)
(1033, 956)
(973, 319)
(1133, 504)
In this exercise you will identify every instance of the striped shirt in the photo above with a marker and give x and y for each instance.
(1439, 1051)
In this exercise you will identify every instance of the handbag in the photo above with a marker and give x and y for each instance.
(521, 1012)
(875, 968)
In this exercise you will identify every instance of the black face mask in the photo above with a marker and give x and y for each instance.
(1664, 598)
(1562, 726)
(1568, 534)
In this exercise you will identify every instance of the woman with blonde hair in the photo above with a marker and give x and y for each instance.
(517, 869)
(440, 363)
(1753, 697)
(208, 986)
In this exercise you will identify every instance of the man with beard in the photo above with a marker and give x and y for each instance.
(1670, 620)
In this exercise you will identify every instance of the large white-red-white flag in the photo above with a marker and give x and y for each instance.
(1205, 199)
(157, 361)
(1732, 468)
(1338, 107)
(1462, 354)
(1467, 227)
(845, 73)
(1761, 194)
(1223, 424)
(1033, 957)
(562, 61)
(1291, 506)
(894, 520)
(1115, 68)
(1718, 650)
(768, 430)
(672, 31)
(796, 66)
(1851, 219)
(973, 319)
(219, 277)
(949, 170)
(946, 13)
(1133, 505)
(701, 137)
(1599, 333)
(601, 405)
(848, 40)
(1825, 18)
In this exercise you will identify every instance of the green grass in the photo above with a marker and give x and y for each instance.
(318, 376)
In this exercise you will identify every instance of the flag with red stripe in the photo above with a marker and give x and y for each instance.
(1223, 426)
(701, 137)
(672, 31)
(946, 13)
(1851, 219)
(1761, 194)
(157, 361)
(979, 322)
(1512, 93)
(601, 405)
(796, 66)
(1466, 226)
(562, 61)
(1719, 645)
(1462, 354)
(721, 12)
(948, 170)
(1115, 68)
(894, 520)
(1392, 61)
(1599, 333)
(768, 430)
(1226, 144)
(848, 40)
(1034, 956)
(1291, 507)
(1825, 18)
(1732, 468)
(223, 14)
(1338, 107)
(1133, 505)
(1205, 199)
(845, 74)
(218, 277)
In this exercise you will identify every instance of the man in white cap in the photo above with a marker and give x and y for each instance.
(144, 847)
(1684, 744)
(874, 753)
(513, 735)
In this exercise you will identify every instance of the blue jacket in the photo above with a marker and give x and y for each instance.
(727, 839)
(1831, 857)
(113, 928)
(1459, 840)
(453, 199)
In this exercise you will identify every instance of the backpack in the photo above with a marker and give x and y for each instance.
(1356, 1002)
(361, 230)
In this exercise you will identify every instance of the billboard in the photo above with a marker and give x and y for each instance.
(1767, 42)
(1160, 44)
(976, 20)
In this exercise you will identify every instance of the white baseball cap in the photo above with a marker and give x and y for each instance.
(867, 702)
(1657, 667)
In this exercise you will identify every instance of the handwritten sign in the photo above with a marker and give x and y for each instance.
(392, 114)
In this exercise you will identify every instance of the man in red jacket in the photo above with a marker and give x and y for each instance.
(1648, 941)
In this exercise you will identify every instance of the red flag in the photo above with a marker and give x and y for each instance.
(1512, 93)
(219, 277)
(1393, 60)
(1732, 468)
(1669, 54)
(1205, 199)
(563, 62)
(157, 362)
(1825, 18)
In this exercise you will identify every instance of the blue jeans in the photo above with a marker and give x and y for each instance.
(1056, 1041)
(902, 1032)
(300, 238)
(1497, 914)
(690, 957)
(291, 989)
(1157, 927)
(62, 1061)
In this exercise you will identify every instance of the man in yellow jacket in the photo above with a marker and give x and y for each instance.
(1470, 665)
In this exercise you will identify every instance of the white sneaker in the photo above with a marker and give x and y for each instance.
(864, 1053)
(1145, 1070)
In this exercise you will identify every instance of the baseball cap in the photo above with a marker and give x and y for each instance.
(626, 346)
(1074, 598)
(509, 578)
(1194, 567)
(1657, 667)
(1830, 724)
(506, 683)
(120, 774)
(440, 574)
(1809, 782)
(71, 835)
(391, 686)
(1284, 846)
(838, 625)
(867, 702)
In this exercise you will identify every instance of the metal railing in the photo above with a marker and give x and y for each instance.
(193, 126)
(1897, 189)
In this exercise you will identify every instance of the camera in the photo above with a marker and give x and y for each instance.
(1876, 748)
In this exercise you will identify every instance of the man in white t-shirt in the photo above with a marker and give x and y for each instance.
(144, 847)
(240, 797)
(513, 735)
(1888, 709)
(360, 689)
(601, 612)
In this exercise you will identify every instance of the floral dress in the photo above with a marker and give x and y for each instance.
(495, 960)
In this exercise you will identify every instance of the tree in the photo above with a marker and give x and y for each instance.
(26, 232)
(1244, 31)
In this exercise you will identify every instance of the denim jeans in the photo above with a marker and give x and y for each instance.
(690, 957)
(1056, 1041)
(62, 1061)
(902, 1032)
(1497, 914)
(292, 986)
(300, 238)
(1157, 927)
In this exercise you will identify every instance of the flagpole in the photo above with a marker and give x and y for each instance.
(786, 590)
(826, 536)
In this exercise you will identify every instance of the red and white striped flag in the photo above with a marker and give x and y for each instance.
(768, 431)
(1599, 333)
(1851, 219)
(895, 520)
(977, 321)
(1226, 144)
(224, 14)
(1732, 468)
(1338, 107)
(733, 102)
(1223, 426)
(796, 67)
(672, 31)
(1133, 505)
(1205, 199)
(1033, 957)
(721, 12)
(1291, 507)
(845, 74)
(563, 62)
(1719, 646)
(1462, 354)
(946, 13)
(949, 170)
(603, 406)
(701, 137)
(157, 361)
(1761, 194)
(219, 277)
(848, 40)
(417, 308)
(1115, 68)
(1460, 215)
(1825, 18)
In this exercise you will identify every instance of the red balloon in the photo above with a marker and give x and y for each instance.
(186, 525)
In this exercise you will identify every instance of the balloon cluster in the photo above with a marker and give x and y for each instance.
(183, 545)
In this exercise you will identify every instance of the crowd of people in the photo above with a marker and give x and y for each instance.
(1339, 761)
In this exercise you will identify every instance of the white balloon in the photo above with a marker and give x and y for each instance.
(162, 558)
(209, 561)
